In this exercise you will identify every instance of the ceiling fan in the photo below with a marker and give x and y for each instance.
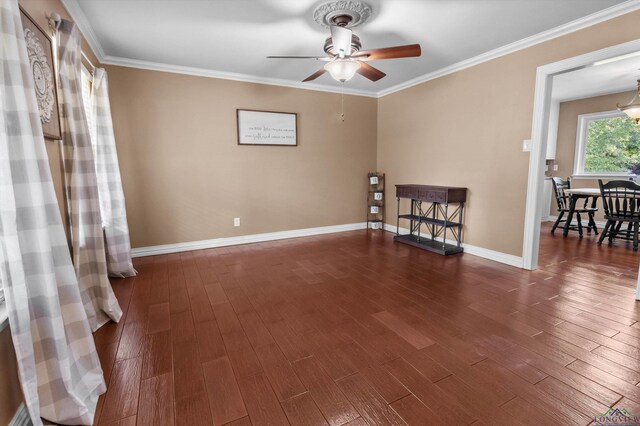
(345, 57)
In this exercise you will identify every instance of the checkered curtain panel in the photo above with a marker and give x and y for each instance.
(81, 187)
(58, 364)
(112, 206)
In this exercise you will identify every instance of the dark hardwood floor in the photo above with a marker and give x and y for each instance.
(353, 329)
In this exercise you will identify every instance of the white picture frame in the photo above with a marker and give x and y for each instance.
(377, 196)
(373, 180)
(374, 209)
(267, 128)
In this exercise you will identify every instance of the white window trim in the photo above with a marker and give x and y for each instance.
(581, 145)
(4, 315)
(88, 108)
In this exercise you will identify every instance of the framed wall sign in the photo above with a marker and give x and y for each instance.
(42, 66)
(267, 128)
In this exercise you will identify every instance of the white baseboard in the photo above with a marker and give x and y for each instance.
(496, 256)
(243, 239)
(21, 418)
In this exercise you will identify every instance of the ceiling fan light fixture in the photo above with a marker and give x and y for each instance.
(342, 69)
(632, 109)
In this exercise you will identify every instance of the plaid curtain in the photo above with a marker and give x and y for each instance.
(112, 206)
(58, 365)
(81, 187)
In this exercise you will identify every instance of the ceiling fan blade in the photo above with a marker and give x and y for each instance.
(407, 51)
(319, 58)
(341, 38)
(315, 75)
(370, 72)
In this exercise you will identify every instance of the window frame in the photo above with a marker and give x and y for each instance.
(581, 146)
(4, 314)
(87, 72)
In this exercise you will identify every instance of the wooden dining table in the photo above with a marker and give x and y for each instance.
(577, 194)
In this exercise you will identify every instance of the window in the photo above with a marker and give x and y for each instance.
(608, 144)
(4, 318)
(87, 82)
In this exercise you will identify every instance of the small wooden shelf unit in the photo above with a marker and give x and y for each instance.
(437, 216)
(375, 207)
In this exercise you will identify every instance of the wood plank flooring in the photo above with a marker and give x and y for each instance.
(352, 329)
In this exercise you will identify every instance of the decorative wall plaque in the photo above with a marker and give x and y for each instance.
(42, 66)
(267, 128)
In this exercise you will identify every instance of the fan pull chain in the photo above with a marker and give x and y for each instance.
(342, 104)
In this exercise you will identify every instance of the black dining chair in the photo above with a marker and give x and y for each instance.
(621, 201)
(563, 201)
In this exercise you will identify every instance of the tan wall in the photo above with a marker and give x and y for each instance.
(10, 392)
(466, 129)
(185, 178)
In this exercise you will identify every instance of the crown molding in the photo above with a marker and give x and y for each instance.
(204, 72)
(76, 13)
(568, 28)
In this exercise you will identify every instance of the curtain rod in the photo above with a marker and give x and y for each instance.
(54, 23)
(88, 60)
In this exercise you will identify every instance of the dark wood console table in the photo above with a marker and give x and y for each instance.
(438, 216)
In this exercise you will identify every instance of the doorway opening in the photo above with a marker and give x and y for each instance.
(546, 105)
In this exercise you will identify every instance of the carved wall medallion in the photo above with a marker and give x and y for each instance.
(41, 62)
(42, 75)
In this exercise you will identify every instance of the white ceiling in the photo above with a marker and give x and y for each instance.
(613, 77)
(231, 38)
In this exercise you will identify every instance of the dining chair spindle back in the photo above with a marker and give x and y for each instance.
(621, 202)
(563, 201)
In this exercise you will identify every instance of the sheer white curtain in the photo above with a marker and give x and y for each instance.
(112, 205)
(81, 187)
(58, 365)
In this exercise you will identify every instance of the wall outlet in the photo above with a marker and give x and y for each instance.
(526, 145)
(236, 221)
